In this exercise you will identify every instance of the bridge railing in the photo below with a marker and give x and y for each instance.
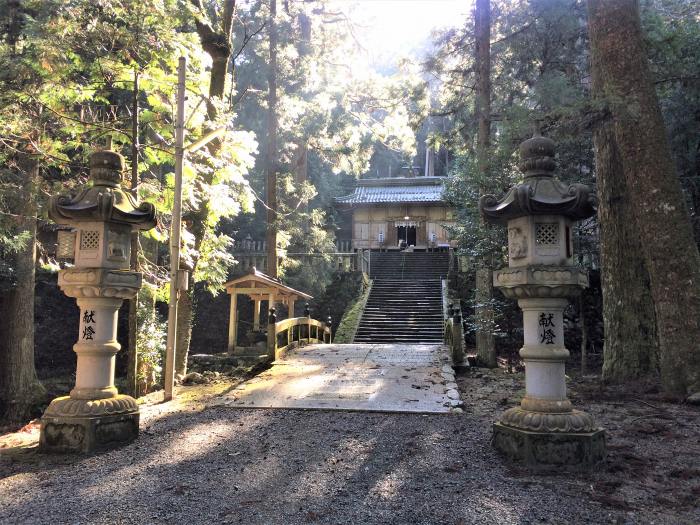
(290, 333)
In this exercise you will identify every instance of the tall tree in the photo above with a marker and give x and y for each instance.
(271, 153)
(215, 34)
(20, 389)
(668, 247)
(485, 342)
(630, 346)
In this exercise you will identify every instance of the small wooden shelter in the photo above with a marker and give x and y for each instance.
(258, 287)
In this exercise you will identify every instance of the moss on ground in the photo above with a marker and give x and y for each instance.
(351, 318)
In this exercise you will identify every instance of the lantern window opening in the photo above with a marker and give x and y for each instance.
(547, 233)
(89, 240)
(66, 244)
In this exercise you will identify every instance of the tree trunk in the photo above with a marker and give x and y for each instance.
(630, 348)
(217, 44)
(668, 248)
(132, 358)
(185, 310)
(584, 335)
(271, 154)
(20, 389)
(482, 32)
(485, 342)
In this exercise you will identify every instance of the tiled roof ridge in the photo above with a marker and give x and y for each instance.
(399, 193)
(402, 181)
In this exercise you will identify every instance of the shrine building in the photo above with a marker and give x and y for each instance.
(397, 213)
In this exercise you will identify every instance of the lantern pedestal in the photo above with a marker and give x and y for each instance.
(545, 431)
(550, 450)
(94, 415)
(80, 425)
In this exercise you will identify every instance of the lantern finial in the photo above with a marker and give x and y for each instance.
(537, 156)
(106, 168)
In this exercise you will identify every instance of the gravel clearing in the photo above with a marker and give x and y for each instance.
(199, 464)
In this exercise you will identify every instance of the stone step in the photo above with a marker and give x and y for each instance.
(396, 326)
(405, 304)
(408, 340)
(403, 315)
(402, 335)
(408, 300)
(399, 314)
(398, 295)
(399, 292)
(392, 324)
(418, 298)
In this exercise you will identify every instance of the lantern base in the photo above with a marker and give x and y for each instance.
(550, 450)
(85, 426)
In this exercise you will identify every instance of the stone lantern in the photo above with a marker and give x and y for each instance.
(544, 431)
(102, 216)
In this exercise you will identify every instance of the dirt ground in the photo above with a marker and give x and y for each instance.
(197, 464)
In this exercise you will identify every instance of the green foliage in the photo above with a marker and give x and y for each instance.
(351, 318)
(334, 113)
(150, 339)
(343, 290)
(673, 41)
(66, 84)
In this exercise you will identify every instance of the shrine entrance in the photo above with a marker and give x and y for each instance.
(406, 236)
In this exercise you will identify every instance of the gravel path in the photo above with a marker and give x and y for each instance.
(258, 466)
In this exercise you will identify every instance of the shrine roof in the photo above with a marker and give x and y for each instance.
(258, 283)
(396, 190)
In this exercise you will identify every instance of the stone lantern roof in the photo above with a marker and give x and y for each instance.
(105, 200)
(539, 193)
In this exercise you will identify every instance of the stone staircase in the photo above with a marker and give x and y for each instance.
(405, 304)
(411, 266)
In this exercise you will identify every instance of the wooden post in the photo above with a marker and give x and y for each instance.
(422, 234)
(170, 348)
(256, 315)
(307, 314)
(271, 335)
(271, 300)
(232, 323)
(457, 338)
(291, 303)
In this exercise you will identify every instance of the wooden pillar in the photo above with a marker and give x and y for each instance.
(307, 314)
(256, 314)
(232, 322)
(271, 335)
(271, 300)
(291, 307)
(421, 234)
(391, 237)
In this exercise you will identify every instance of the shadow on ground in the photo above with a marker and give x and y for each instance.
(224, 465)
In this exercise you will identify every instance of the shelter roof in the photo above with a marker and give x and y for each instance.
(250, 283)
(396, 190)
